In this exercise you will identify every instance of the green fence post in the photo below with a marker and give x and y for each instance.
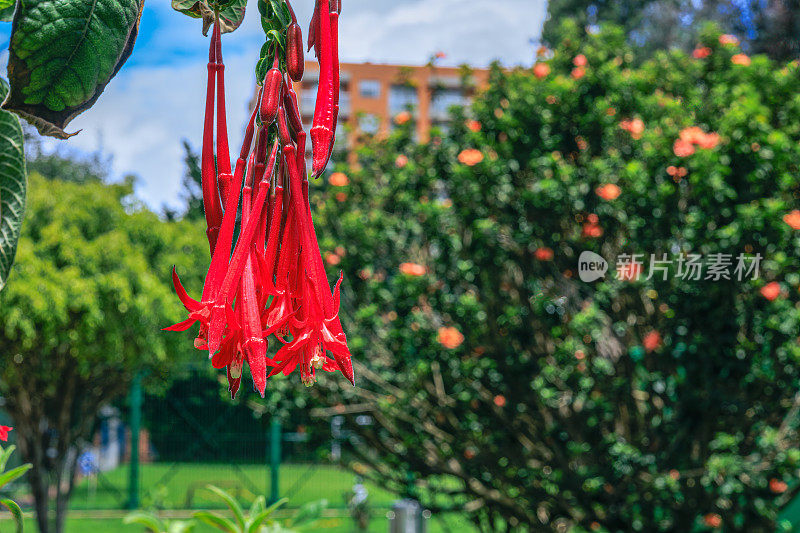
(274, 459)
(135, 406)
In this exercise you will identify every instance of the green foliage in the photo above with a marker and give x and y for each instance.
(155, 524)
(13, 183)
(64, 53)
(231, 12)
(7, 477)
(554, 413)
(259, 517)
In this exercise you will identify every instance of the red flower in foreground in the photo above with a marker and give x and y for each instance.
(413, 269)
(741, 59)
(578, 72)
(543, 254)
(728, 39)
(609, 191)
(793, 219)
(4, 432)
(777, 486)
(579, 60)
(450, 338)
(474, 125)
(541, 70)
(635, 127)
(652, 341)
(683, 148)
(701, 52)
(771, 290)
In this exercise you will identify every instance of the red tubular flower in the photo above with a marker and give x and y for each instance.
(4, 432)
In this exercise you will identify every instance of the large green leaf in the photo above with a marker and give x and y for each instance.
(16, 512)
(13, 474)
(13, 184)
(63, 53)
(231, 12)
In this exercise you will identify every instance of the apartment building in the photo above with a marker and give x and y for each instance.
(373, 94)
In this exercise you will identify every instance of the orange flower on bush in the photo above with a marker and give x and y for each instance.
(682, 148)
(696, 136)
(793, 219)
(338, 179)
(470, 157)
(609, 191)
(402, 117)
(499, 400)
(543, 254)
(728, 39)
(450, 338)
(741, 59)
(413, 269)
(709, 141)
(473, 125)
(591, 228)
(777, 486)
(635, 127)
(332, 259)
(541, 70)
(678, 172)
(712, 520)
(701, 52)
(579, 60)
(578, 72)
(341, 196)
(401, 161)
(652, 341)
(771, 290)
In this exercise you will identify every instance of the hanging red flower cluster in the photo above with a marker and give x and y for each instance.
(272, 280)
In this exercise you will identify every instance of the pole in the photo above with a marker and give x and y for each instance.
(274, 459)
(135, 406)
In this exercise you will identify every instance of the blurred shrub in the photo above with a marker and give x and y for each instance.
(499, 382)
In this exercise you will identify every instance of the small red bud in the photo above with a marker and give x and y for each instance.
(295, 62)
(271, 97)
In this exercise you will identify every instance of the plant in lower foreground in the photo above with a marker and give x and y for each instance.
(7, 477)
(259, 517)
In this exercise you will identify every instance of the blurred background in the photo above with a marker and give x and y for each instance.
(506, 381)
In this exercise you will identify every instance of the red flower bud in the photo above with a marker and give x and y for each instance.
(295, 62)
(271, 97)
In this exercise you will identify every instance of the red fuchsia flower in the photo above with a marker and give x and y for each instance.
(541, 70)
(777, 486)
(729, 39)
(470, 157)
(474, 125)
(771, 290)
(450, 337)
(401, 161)
(793, 219)
(741, 59)
(701, 52)
(609, 191)
(712, 520)
(339, 179)
(413, 269)
(652, 341)
(543, 254)
(500, 400)
(4, 433)
(682, 148)
(402, 117)
(579, 60)
(578, 72)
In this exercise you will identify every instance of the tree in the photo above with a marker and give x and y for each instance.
(82, 315)
(500, 383)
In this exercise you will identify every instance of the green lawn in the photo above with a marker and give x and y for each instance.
(175, 486)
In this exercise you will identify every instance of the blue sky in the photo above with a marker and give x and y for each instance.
(156, 101)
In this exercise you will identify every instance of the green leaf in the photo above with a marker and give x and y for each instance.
(261, 517)
(213, 520)
(7, 10)
(63, 53)
(231, 12)
(5, 455)
(11, 475)
(146, 520)
(16, 512)
(231, 502)
(13, 185)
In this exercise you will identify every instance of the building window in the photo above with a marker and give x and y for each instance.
(369, 123)
(369, 88)
(444, 99)
(401, 97)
